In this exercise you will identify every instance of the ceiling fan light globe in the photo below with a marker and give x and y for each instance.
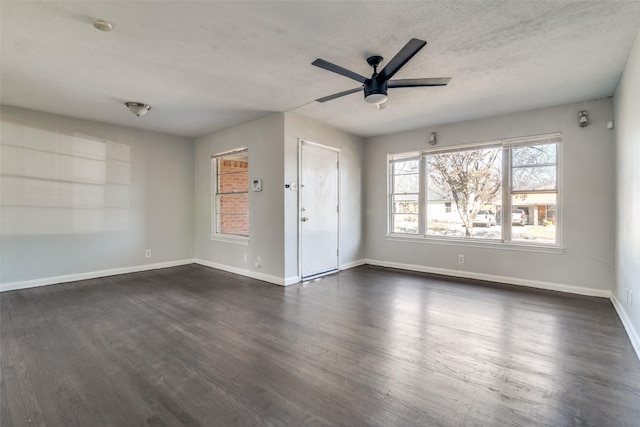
(376, 98)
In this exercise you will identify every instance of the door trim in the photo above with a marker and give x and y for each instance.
(302, 142)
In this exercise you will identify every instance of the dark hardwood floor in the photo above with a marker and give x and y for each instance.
(193, 346)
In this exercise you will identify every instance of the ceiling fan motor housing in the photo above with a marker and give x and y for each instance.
(375, 91)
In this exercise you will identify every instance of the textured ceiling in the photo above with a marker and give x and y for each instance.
(204, 66)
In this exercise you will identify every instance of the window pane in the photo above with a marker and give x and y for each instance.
(534, 155)
(404, 215)
(443, 219)
(233, 214)
(406, 183)
(405, 223)
(233, 173)
(534, 175)
(233, 224)
(406, 167)
(534, 168)
(233, 203)
(534, 217)
(463, 193)
(233, 182)
(405, 203)
(532, 178)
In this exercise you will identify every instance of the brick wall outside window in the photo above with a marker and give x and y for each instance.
(233, 200)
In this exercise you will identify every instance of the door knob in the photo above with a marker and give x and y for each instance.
(304, 219)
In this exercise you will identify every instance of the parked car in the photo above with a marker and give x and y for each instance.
(518, 217)
(484, 218)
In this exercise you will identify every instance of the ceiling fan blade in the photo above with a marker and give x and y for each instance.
(439, 81)
(339, 70)
(401, 58)
(339, 94)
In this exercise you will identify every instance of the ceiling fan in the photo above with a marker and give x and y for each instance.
(375, 88)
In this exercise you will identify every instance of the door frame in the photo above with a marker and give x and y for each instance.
(302, 142)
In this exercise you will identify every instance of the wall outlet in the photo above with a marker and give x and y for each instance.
(460, 259)
(245, 257)
(147, 253)
(258, 262)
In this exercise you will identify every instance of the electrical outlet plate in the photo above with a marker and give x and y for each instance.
(461, 259)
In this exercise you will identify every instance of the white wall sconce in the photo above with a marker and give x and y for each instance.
(583, 120)
(432, 138)
(138, 108)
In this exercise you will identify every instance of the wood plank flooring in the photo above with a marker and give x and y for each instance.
(194, 346)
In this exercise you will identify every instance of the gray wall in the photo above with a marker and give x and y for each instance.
(351, 157)
(627, 119)
(80, 196)
(264, 138)
(588, 202)
(273, 156)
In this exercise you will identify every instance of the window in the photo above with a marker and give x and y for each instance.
(471, 179)
(231, 193)
(502, 191)
(405, 192)
(534, 192)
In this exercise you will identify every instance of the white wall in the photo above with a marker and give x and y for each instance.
(80, 197)
(264, 138)
(351, 201)
(586, 264)
(627, 120)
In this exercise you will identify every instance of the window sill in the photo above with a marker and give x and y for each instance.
(492, 244)
(228, 238)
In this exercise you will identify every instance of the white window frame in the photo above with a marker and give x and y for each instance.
(215, 235)
(505, 240)
(403, 158)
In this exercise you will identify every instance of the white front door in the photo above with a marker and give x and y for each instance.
(318, 216)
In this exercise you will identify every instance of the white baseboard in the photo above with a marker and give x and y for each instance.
(291, 280)
(243, 272)
(12, 286)
(493, 278)
(626, 322)
(352, 264)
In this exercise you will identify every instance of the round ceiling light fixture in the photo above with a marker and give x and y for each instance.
(138, 108)
(102, 25)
